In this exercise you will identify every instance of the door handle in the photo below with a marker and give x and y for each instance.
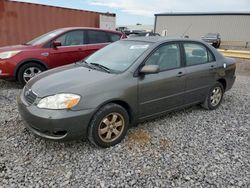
(212, 67)
(180, 74)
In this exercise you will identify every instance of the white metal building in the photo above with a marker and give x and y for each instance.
(233, 27)
(107, 22)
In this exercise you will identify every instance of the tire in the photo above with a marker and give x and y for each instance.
(214, 97)
(31, 70)
(113, 129)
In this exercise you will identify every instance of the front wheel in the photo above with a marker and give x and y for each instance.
(28, 71)
(108, 126)
(214, 97)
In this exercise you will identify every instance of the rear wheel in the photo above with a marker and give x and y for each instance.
(28, 71)
(214, 97)
(108, 126)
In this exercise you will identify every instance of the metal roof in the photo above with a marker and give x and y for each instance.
(204, 14)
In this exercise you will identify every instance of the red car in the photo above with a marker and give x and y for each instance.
(56, 48)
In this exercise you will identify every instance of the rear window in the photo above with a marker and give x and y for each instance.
(114, 37)
(95, 37)
(211, 35)
(197, 54)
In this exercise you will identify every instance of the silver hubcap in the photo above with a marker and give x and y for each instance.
(216, 95)
(111, 127)
(30, 73)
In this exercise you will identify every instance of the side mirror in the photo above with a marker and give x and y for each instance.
(56, 43)
(150, 69)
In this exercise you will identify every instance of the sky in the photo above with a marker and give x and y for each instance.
(131, 12)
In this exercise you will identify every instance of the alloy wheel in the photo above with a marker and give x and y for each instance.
(111, 127)
(216, 96)
(30, 73)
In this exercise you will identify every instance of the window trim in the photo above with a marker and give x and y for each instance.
(198, 43)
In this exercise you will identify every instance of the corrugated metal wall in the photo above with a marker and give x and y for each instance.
(21, 22)
(234, 29)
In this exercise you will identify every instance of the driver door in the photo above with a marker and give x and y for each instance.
(158, 93)
(72, 49)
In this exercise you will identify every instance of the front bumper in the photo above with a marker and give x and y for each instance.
(55, 124)
(6, 69)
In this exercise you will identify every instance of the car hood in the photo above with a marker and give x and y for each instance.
(15, 47)
(72, 78)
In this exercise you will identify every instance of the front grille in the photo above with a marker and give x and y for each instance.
(29, 96)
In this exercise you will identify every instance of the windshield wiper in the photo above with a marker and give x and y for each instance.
(84, 63)
(94, 66)
(102, 67)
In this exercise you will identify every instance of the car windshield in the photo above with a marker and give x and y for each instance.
(118, 56)
(211, 35)
(43, 38)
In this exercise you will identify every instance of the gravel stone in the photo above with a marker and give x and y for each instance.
(192, 147)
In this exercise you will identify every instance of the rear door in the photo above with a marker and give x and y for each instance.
(72, 50)
(200, 71)
(163, 91)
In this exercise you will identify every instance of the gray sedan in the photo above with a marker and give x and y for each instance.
(125, 83)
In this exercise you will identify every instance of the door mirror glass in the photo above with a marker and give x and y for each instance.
(56, 43)
(150, 69)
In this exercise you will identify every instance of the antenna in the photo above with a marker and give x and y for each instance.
(187, 30)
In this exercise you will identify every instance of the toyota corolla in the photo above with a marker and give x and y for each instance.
(123, 84)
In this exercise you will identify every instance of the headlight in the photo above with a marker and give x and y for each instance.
(6, 55)
(59, 101)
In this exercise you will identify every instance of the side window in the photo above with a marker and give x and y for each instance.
(95, 37)
(72, 38)
(167, 57)
(113, 37)
(197, 54)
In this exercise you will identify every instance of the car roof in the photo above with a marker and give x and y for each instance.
(160, 39)
(87, 28)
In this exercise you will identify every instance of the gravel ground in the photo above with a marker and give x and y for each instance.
(188, 148)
